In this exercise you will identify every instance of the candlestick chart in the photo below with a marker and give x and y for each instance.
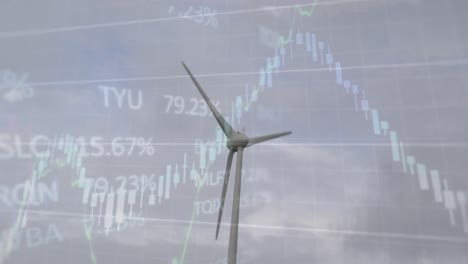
(109, 154)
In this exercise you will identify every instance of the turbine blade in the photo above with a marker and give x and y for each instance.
(225, 185)
(225, 126)
(232, 252)
(256, 140)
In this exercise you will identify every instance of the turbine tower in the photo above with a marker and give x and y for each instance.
(236, 142)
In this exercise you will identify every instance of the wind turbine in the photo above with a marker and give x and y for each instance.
(236, 142)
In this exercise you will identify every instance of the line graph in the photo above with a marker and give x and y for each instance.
(110, 197)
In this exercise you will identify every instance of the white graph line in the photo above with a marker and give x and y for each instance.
(303, 70)
(15, 34)
(276, 227)
(289, 144)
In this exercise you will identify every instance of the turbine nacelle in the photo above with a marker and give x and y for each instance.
(237, 140)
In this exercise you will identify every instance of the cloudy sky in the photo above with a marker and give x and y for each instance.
(106, 78)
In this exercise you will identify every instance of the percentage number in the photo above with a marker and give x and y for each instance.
(14, 87)
(201, 15)
(193, 107)
(139, 183)
(129, 146)
(117, 147)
